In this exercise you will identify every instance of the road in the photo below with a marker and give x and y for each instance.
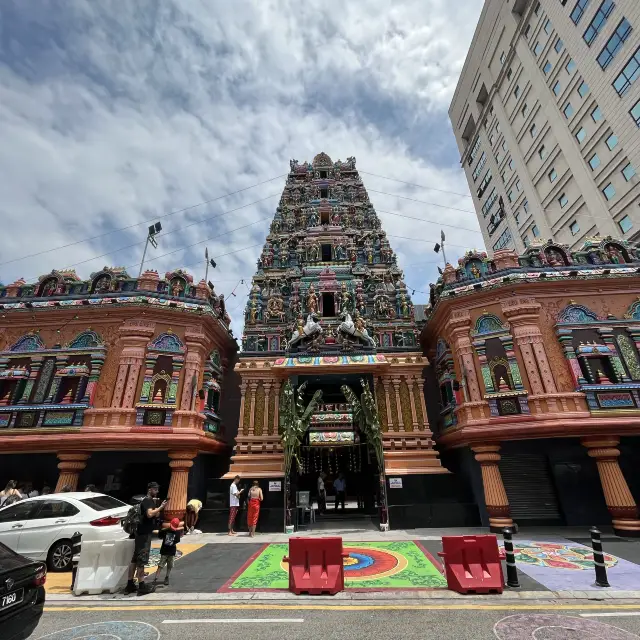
(363, 621)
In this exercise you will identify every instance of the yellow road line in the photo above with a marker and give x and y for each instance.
(348, 607)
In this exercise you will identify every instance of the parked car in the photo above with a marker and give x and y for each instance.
(41, 528)
(21, 594)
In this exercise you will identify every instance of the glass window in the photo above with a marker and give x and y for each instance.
(19, 511)
(492, 139)
(534, 130)
(571, 65)
(563, 200)
(625, 224)
(525, 206)
(609, 192)
(628, 172)
(583, 89)
(614, 44)
(503, 240)
(596, 114)
(502, 58)
(628, 75)
(504, 145)
(526, 241)
(510, 195)
(553, 175)
(102, 503)
(547, 26)
(509, 74)
(525, 110)
(542, 152)
(568, 110)
(527, 31)
(598, 22)
(486, 207)
(581, 135)
(516, 217)
(537, 9)
(635, 113)
(578, 10)
(557, 87)
(612, 141)
(547, 68)
(519, 185)
(511, 165)
(535, 231)
(559, 45)
(56, 509)
(516, 91)
(594, 161)
(537, 49)
(574, 228)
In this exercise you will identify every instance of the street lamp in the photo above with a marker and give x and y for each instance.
(208, 262)
(439, 246)
(154, 230)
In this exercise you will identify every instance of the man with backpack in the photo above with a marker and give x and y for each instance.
(140, 523)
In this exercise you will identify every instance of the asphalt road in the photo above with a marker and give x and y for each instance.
(352, 622)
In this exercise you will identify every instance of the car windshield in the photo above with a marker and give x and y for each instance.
(102, 503)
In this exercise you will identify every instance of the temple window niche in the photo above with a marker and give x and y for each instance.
(165, 359)
(210, 395)
(603, 354)
(449, 386)
(493, 344)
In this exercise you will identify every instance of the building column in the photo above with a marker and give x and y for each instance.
(410, 380)
(396, 388)
(253, 385)
(387, 401)
(36, 364)
(70, 465)
(265, 422)
(181, 462)
(495, 496)
(620, 502)
(277, 387)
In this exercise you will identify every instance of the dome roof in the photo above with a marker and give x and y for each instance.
(322, 160)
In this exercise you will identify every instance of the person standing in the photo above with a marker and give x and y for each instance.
(322, 494)
(234, 503)
(10, 491)
(148, 514)
(170, 538)
(253, 510)
(340, 485)
(191, 516)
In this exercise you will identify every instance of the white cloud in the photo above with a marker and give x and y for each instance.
(114, 113)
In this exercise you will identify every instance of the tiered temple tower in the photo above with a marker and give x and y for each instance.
(329, 305)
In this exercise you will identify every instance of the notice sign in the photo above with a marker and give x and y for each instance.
(395, 483)
(275, 485)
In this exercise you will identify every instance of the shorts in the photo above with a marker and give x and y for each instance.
(166, 561)
(142, 549)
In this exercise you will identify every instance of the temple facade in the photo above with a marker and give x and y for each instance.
(536, 382)
(329, 307)
(115, 381)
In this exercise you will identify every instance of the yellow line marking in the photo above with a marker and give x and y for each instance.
(349, 607)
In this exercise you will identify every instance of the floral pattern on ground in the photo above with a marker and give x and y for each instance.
(559, 556)
(369, 566)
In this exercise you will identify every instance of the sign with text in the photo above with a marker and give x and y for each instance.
(275, 485)
(395, 483)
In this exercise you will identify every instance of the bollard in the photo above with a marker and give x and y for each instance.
(76, 546)
(512, 572)
(598, 558)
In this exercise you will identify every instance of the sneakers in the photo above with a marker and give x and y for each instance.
(130, 588)
(166, 582)
(144, 589)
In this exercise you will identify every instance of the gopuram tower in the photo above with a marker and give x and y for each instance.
(329, 306)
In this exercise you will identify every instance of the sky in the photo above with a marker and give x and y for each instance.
(115, 114)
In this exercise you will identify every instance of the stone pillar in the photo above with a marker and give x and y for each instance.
(410, 382)
(457, 330)
(36, 364)
(243, 399)
(70, 465)
(277, 387)
(194, 362)
(266, 427)
(57, 379)
(385, 384)
(495, 496)
(396, 388)
(181, 462)
(253, 385)
(620, 502)
(97, 360)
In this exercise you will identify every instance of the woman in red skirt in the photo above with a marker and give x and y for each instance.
(253, 511)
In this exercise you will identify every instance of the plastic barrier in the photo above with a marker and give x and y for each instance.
(472, 564)
(315, 565)
(103, 566)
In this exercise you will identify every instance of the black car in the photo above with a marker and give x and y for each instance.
(21, 594)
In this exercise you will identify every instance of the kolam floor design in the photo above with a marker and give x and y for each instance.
(370, 566)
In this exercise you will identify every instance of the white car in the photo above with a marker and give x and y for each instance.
(41, 528)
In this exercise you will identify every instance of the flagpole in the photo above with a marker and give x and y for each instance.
(206, 259)
(444, 256)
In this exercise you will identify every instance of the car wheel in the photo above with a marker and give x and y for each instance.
(60, 556)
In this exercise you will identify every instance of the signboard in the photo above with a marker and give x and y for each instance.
(395, 483)
(275, 485)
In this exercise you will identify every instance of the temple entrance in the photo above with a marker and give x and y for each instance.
(333, 445)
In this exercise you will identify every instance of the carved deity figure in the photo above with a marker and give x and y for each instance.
(50, 288)
(475, 272)
(353, 254)
(313, 220)
(405, 311)
(340, 251)
(177, 287)
(361, 306)
(614, 255)
(312, 301)
(253, 312)
(103, 284)
(554, 258)
(335, 219)
(275, 308)
(314, 252)
(344, 299)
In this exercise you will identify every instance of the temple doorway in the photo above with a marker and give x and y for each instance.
(334, 445)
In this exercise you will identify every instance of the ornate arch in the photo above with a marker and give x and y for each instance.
(577, 314)
(86, 340)
(167, 342)
(633, 312)
(28, 342)
(489, 323)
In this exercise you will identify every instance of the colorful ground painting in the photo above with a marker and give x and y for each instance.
(370, 566)
(563, 565)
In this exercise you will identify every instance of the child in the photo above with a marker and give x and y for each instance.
(170, 538)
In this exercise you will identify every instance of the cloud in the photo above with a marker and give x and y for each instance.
(114, 113)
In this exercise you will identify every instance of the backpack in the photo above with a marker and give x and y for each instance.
(133, 518)
(12, 499)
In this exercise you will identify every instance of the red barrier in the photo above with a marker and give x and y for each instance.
(472, 564)
(315, 565)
